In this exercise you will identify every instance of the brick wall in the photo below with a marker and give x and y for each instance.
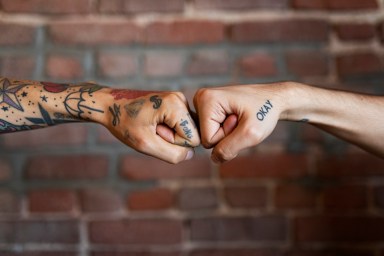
(73, 190)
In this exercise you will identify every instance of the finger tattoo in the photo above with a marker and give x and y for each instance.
(187, 131)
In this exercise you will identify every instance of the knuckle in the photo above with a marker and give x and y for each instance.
(224, 154)
(254, 134)
(141, 144)
(203, 94)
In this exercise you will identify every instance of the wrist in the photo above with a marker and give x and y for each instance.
(296, 101)
(97, 106)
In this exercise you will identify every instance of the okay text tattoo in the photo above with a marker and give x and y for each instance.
(187, 131)
(264, 110)
(156, 101)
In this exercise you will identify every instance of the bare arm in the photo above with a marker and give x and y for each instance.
(140, 119)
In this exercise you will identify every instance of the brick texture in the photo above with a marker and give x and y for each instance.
(355, 32)
(359, 64)
(246, 197)
(49, 7)
(153, 199)
(335, 5)
(16, 34)
(307, 63)
(134, 6)
(258, 65)
(234, 5)
(17, 66)
(64, 67)
(100, 200)
(290, 196)
(197, 198)
(51, 200)
(346, 198)
(117, 64)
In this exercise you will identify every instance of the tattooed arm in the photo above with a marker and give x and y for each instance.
(154, 123)
(237, 117)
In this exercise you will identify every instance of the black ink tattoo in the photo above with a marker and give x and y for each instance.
(186, 129)
(46, 119)
(6, 127)
(115, 111)
(133, 108)
(264, 110)
(44, 98)
(75, 102)
(156, 101)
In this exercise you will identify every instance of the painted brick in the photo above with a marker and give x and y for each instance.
(265, 228)
(277, 165)
(64, 67)
(16, 34)
(339, 229)
(17, 66)
(67, 167)
(52, 201)
(290, 196)
(117, 64)
(239, 5)
(198, 198)
(294, 30)
(153, 199)
(208, 62)
(139, 167)
(307, 63)
(365, 63)
(335, 5)
(39, 231)
(163, 64)
(47, 6)
(355, 32)
(185, 32)
(345, 198)
(96, 200)
(246, 197)
(259, 64)
(138, 232)
(140, 6)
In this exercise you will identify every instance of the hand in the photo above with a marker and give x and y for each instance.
(237, 117)
(154, 123)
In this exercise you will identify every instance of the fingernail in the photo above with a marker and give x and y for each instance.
(189, 155)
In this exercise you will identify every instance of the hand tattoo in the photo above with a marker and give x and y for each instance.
(134, 108)
(156, 101)
(264, 110)
(115, 111)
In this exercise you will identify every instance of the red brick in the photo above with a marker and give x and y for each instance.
(52, 201)
(379, 196)
(259, 64)
(17, 66)
(139, 232)
(246, 197)
(185, 32)
(133, 253)
(9, 202)
(64, 67)
(350, 165)
(146, 168)
(39, 231)
(163, 64)
(293, 196)
(47, 6)
(337, 5)
(345, 198)
(331, 252)
(5, 170)
(276, 165)
(67, 167)
(57, 136)
(235, 5)
(265, 228)
(94, 32)
(139, 6)
(339, 229)
(39, 253)
(307, 63)
(233, 252)
(355, 32)
(105, 136)
(117, 64)
(198, 198)
(100, 200)
(359, 64)
(208, 62)
(16, 34)
(294, 30)
(153, 199)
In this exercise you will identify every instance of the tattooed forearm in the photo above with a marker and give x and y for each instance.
(264, 110)
(115, 111)
(156, 101)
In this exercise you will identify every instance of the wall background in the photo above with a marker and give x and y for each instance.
(73, 190)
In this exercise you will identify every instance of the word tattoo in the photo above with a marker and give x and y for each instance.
(264, 110)
(133, 108)
(115, 111)
(156, 101)
(187, 131)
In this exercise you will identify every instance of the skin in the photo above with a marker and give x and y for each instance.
(149, 122)
(237, 117)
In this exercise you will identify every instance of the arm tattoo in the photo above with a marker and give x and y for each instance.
(133, 108)
(187, 131)
(264, 110)
(115, 111)
(8, 94)
(75, 102)
(156, 101)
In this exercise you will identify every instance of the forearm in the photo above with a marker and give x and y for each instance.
(356, 118)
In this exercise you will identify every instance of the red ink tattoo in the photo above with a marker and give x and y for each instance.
(54, 87)
(119, 94)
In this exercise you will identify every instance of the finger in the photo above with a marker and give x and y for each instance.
(186, 133)
(226, 128)
(166, 133)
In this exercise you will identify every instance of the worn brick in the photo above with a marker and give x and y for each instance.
(293, 30)
(185, 32)
(100, 200)
(64, 67)
(57, 136)
(94, 32)
(239, 5)
(139, 232)
(277, 165)
(117, 64)
(9, 202)
(354, 64)
(339, 229)
(246, 196)
(52, 201)
(335, 5)
(152, 199)
(39, 231)
(264, 228)
(163, 64)
(67, 167)
(139, 167)
(47, 6)
(307, 63)
(198, 198)
(208, 62)
(290, 196)
(16, 34)
(17, 66)
(355, 32)
(345, 198)
(258, 64)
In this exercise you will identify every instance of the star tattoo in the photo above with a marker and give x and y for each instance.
(24, 94)
(44, 98)
(8, 94)
(4, 108)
